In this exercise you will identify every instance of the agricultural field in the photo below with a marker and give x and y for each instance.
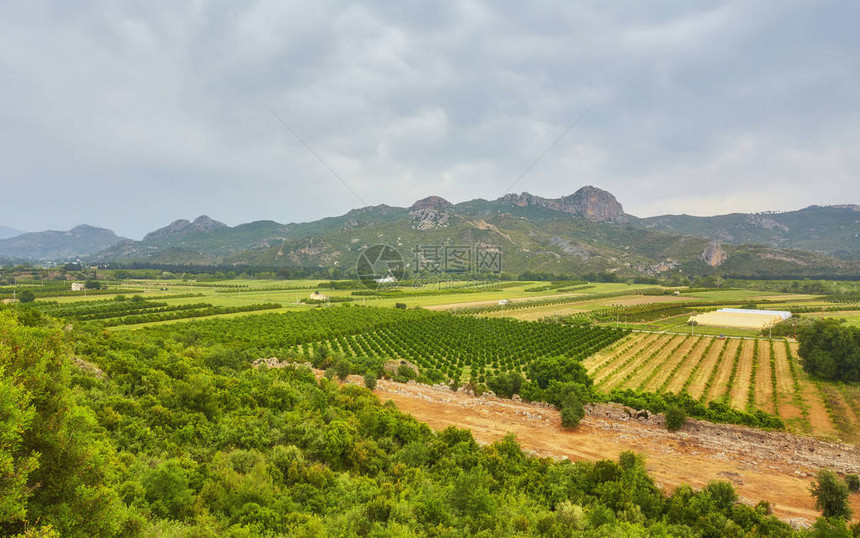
(441, 345)
(747, 374)
(631, 337)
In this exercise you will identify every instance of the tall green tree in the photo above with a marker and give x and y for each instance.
(831, 495)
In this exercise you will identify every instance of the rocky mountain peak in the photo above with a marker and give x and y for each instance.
(181, 227)
(525, 200)
(588, 202)
(205, 223)
(430, 212)
(431, 202)
(594, 204)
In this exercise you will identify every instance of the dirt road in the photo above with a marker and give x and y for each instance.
(761, 465)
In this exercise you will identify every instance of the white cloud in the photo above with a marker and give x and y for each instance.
(129, 116)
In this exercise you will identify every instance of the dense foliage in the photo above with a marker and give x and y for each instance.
(149, 436)
(830, 350)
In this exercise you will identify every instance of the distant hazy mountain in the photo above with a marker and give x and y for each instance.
(6, 232)
(583, 232)
(80, 241)
(833, 230)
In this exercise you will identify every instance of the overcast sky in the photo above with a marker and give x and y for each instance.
(129, 115)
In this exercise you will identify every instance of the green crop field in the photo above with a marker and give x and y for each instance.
(452, 347)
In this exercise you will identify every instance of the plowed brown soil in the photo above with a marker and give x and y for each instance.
(672, 459)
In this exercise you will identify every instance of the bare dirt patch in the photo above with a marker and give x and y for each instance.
(772, 466)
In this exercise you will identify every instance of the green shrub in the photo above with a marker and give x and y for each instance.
(676, 417)
(370, 381)
(405, 373)
(572, 411)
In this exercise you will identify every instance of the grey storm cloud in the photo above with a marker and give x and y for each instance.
(132, 114)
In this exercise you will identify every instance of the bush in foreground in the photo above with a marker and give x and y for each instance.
(676, 417)
(831, 495)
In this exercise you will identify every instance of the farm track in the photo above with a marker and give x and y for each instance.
(709, 364)
(739, 390)
(764, 384)
(721, 382)
(664, 370)
(696, 356)
(648, 357)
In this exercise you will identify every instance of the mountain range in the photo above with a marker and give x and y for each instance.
(586, 231)
(7, 232)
